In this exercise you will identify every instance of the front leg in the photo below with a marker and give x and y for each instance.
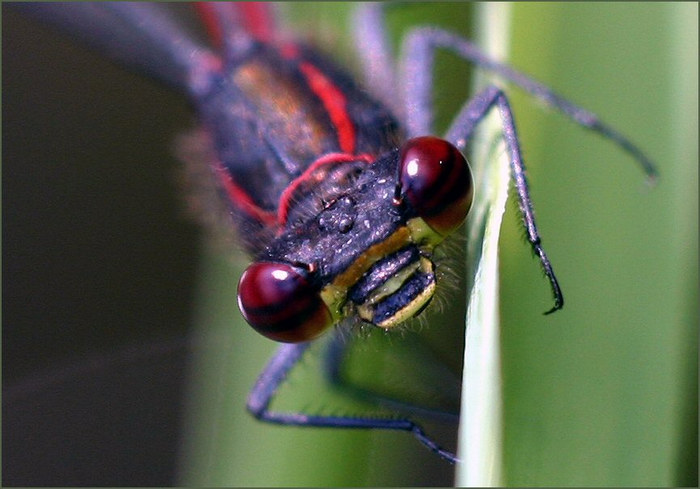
(461, 131)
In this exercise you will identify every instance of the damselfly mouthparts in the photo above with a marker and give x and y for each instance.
(341, 199)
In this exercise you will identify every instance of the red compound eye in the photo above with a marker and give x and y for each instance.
(436, 181)
(278, 301)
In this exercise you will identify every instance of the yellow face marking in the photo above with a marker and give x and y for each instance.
(393, 284)
(410, 309)
(422, 234)
(394, 242)
(334, 297)
(335, 293)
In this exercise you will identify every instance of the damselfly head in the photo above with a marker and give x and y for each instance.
(368, 252)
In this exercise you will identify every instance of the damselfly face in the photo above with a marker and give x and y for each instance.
(368, 251)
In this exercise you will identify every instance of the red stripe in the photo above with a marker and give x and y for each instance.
(335, 104)
(286, 197)
(257, 18)
(289, 50)
(209, 19)
(240, 198)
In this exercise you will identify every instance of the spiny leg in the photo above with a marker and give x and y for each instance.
(275, 373)
(462, 130)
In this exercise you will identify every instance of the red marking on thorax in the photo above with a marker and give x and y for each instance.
(255, 17)
(332, 98)
(258, 19)
(286, 197)
(242, 200)
(335, 104)
(209, 18)
(289, 50)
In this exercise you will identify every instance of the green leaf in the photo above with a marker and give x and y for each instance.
(480, 423)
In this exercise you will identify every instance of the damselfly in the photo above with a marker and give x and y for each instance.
(341, 196)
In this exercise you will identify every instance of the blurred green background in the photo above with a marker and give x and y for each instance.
(605, 392)
(101, 280)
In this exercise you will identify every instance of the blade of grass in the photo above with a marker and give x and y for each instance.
(481, 425)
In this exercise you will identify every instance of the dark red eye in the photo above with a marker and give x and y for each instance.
(436, 181)
(279, 302)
